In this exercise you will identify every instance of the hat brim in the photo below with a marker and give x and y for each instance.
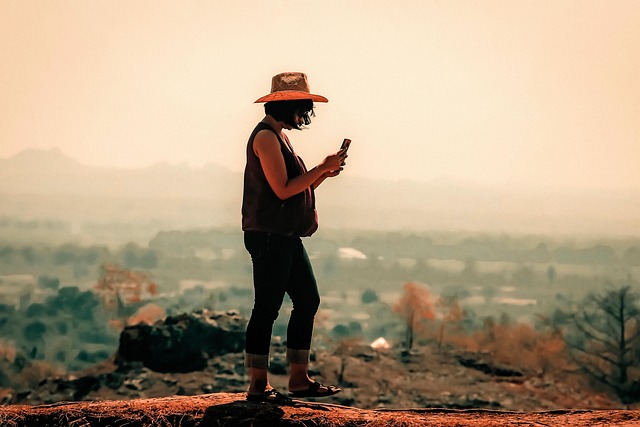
(291, 95)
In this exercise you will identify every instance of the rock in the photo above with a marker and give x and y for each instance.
(487, 368)
(206, 388)
(182, 343)
(6, 395)
(134, 384)
(230, 409)
(85, 385)
(113, 380)
(367, 357)
(241, 413)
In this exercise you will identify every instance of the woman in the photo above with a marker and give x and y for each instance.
(278, 208)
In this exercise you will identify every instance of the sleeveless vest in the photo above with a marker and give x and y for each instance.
(262, 210)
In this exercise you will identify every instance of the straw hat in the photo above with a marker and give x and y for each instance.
(289, 87)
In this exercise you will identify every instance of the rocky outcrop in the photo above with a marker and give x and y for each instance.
(231, 409)
(108, 382)
(182, 343)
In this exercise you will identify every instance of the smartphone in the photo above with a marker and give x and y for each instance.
(345, 145)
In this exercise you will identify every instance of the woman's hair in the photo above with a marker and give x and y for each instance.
(286, 111)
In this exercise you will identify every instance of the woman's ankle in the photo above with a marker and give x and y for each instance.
(258, 381)
(258, 389)
(298, 376)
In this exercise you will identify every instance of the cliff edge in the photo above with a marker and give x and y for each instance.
(231, 409)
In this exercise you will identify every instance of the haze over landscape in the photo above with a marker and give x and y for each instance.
(48, 185)
(537, 95)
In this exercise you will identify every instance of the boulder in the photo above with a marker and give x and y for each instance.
(488, 368)
(182, 343)
(242, 413)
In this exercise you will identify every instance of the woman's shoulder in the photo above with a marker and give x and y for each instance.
(265, 141)
(267, 135)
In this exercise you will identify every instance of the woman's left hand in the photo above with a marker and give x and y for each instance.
(333, 173)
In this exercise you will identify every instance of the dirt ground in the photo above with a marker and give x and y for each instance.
(231, 409)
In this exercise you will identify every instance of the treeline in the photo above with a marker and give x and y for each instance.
(170, 256)
(69, 328)
(437, 245)
(535, 249)
(532, 264)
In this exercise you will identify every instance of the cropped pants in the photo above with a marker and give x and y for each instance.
(280, 265)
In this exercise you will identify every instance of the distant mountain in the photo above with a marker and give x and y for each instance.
(53, 173)
(38, 160)
(49, 184)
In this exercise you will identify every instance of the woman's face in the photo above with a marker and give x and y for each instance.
(299, 120)
(304, 118)
(294, 124)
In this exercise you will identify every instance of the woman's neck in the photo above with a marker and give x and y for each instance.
(275, 124)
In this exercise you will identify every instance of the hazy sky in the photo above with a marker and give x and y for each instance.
(536, 92)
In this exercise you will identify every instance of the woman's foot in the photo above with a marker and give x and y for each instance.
(301, 385)
(270, 395)
(314, 389)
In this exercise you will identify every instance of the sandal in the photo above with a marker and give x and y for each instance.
(272, 396)
(316, 390)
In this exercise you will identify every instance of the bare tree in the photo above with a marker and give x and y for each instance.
(449, 313)
(604, 336)
(415, 306)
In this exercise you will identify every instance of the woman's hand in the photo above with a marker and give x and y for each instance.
(334, 163)
(332, 166)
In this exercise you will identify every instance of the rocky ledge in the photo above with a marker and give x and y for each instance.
(231, 409)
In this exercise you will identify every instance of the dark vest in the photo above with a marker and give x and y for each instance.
(262, 210)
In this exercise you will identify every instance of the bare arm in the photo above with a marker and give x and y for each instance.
(327, 175)
(267, 148)
(343, 154)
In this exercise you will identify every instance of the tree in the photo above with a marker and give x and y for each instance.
(136, 257)
(449, 313)
(604, 336)
(36, 309)
(415, 306)
(551, 274)
(119, 288)
(34, 331)
(369, 296)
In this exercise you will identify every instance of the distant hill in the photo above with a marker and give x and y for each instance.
(53, 173)
(39, 184)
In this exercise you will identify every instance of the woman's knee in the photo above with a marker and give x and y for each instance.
(265, 313)
(314, 303)
(307, 305)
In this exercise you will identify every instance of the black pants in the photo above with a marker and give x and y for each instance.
(280, 265)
